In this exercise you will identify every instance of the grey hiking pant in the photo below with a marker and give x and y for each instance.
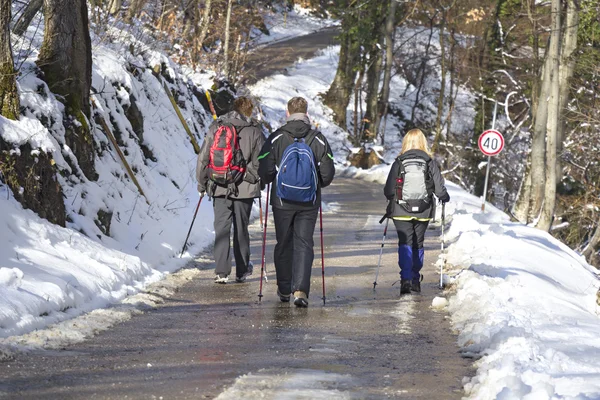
(294, 252)
(227, 211)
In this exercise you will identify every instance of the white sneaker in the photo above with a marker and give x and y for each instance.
(221, 278)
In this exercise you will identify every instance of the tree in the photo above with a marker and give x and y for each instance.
(66, 61)
(390, 29)
(338, 95)
(9, 97)
(553, 65)
(27, 16)
(226, 68)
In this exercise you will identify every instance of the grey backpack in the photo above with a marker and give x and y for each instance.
(413, 185)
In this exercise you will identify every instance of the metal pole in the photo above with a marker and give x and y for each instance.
(487, 172)
(263, 267)
(443, 243)
(322, 252)
(381, 252)
(191, 225)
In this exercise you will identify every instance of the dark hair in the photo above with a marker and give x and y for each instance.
(297, 105)
(244, 106)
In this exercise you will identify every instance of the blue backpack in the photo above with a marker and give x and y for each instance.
(297, 178)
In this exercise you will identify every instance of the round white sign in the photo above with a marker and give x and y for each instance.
(491, 142)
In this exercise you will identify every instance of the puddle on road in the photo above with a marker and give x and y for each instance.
(290, 384)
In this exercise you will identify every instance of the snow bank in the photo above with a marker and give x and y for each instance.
(525, 303)
(48, 273)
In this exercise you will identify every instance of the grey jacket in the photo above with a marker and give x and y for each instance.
(435, 184)
(251, 141)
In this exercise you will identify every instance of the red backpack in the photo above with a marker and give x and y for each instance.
(226, 165)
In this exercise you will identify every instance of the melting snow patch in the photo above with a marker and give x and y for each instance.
(78, 329)
(291, 384)
(439, 303)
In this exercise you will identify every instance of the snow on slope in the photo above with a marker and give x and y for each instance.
(48, 273)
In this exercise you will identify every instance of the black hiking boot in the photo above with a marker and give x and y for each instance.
(405, 286)
(416, 284)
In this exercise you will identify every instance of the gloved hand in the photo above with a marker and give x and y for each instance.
(201, 192)
(445, 199)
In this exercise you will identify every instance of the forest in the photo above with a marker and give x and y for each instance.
(532, 66)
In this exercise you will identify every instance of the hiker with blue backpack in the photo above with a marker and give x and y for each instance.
(227, 171)
(413, 179)
(299, 162)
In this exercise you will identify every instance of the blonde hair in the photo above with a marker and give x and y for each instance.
(415, 140)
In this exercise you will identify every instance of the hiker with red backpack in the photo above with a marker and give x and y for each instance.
(413, 179)
(227, 171)
(299, 162)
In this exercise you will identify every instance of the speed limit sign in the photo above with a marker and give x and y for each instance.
(491, 142)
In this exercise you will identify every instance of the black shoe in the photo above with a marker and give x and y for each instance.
(300, 299)
(285, 298)
(416, 284)
(405, 286)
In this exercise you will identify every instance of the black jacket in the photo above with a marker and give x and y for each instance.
(436, 182)
(251, 140)
(298, 126)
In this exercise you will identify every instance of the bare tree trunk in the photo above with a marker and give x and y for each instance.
(357, 123)
(338, 95)
(9, 96)
(547, 214)
(27, 16)
(135, 7)
(593, 246)
(204, 23)
(567, 69)
(114, 6)
(390, 29)
(538, 145)
(373, 79)
(425, 59)
(440, 105)
(523, 205)
(66, 61)
(226, 44)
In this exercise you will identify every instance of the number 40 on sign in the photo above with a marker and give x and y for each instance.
(491, 142)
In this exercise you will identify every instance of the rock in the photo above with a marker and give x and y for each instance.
(364, 160)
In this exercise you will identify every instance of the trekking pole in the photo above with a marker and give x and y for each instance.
(381, 250)
(442, 247)
(322, 253)
(264, 244)
(192, 224)
(260, 212)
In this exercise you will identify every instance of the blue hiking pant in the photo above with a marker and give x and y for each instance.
(411, 236)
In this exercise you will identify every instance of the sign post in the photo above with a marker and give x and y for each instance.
(491, 143)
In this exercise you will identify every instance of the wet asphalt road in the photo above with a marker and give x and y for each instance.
(361, 344)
